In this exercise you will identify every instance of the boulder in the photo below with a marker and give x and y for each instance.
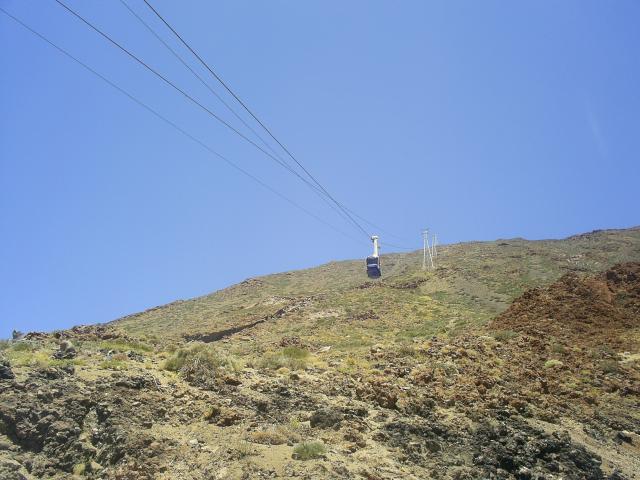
(65, 351)
(5, 370)
(326, 418)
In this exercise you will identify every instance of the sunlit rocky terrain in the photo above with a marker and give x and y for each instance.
(513, 359)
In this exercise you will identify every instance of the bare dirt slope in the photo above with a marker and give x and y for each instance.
(599, 310)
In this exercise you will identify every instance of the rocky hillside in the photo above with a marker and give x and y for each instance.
(598, 311)
(513, 360)
(473, 282)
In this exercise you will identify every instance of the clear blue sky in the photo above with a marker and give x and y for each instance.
(479, 120)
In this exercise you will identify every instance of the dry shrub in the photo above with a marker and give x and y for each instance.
(201, 365)
(609, 366)
(274, 436)
(268, 437)
(503, 335)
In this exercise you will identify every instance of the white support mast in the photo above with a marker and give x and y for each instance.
(374, 239)
(426, 249)
(433, 247)
(425, 233)
(431, 250)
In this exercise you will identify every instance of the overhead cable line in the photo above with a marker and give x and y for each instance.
(189, 97)
(377, 227)
(248, 110)
(399, 247)
(282, 162)
(174, 125)
(195, 74)
(345, 209)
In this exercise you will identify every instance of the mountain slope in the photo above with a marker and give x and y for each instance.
(474, 282)
(512, 360)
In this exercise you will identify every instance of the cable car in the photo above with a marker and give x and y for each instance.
(373, 262)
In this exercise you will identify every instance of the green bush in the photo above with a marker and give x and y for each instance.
(553, 363)
(309, 450)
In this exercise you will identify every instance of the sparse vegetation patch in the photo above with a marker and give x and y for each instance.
(124, 346)
(293, 358)
(113, 364)
(504, 335)
(23, 346)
